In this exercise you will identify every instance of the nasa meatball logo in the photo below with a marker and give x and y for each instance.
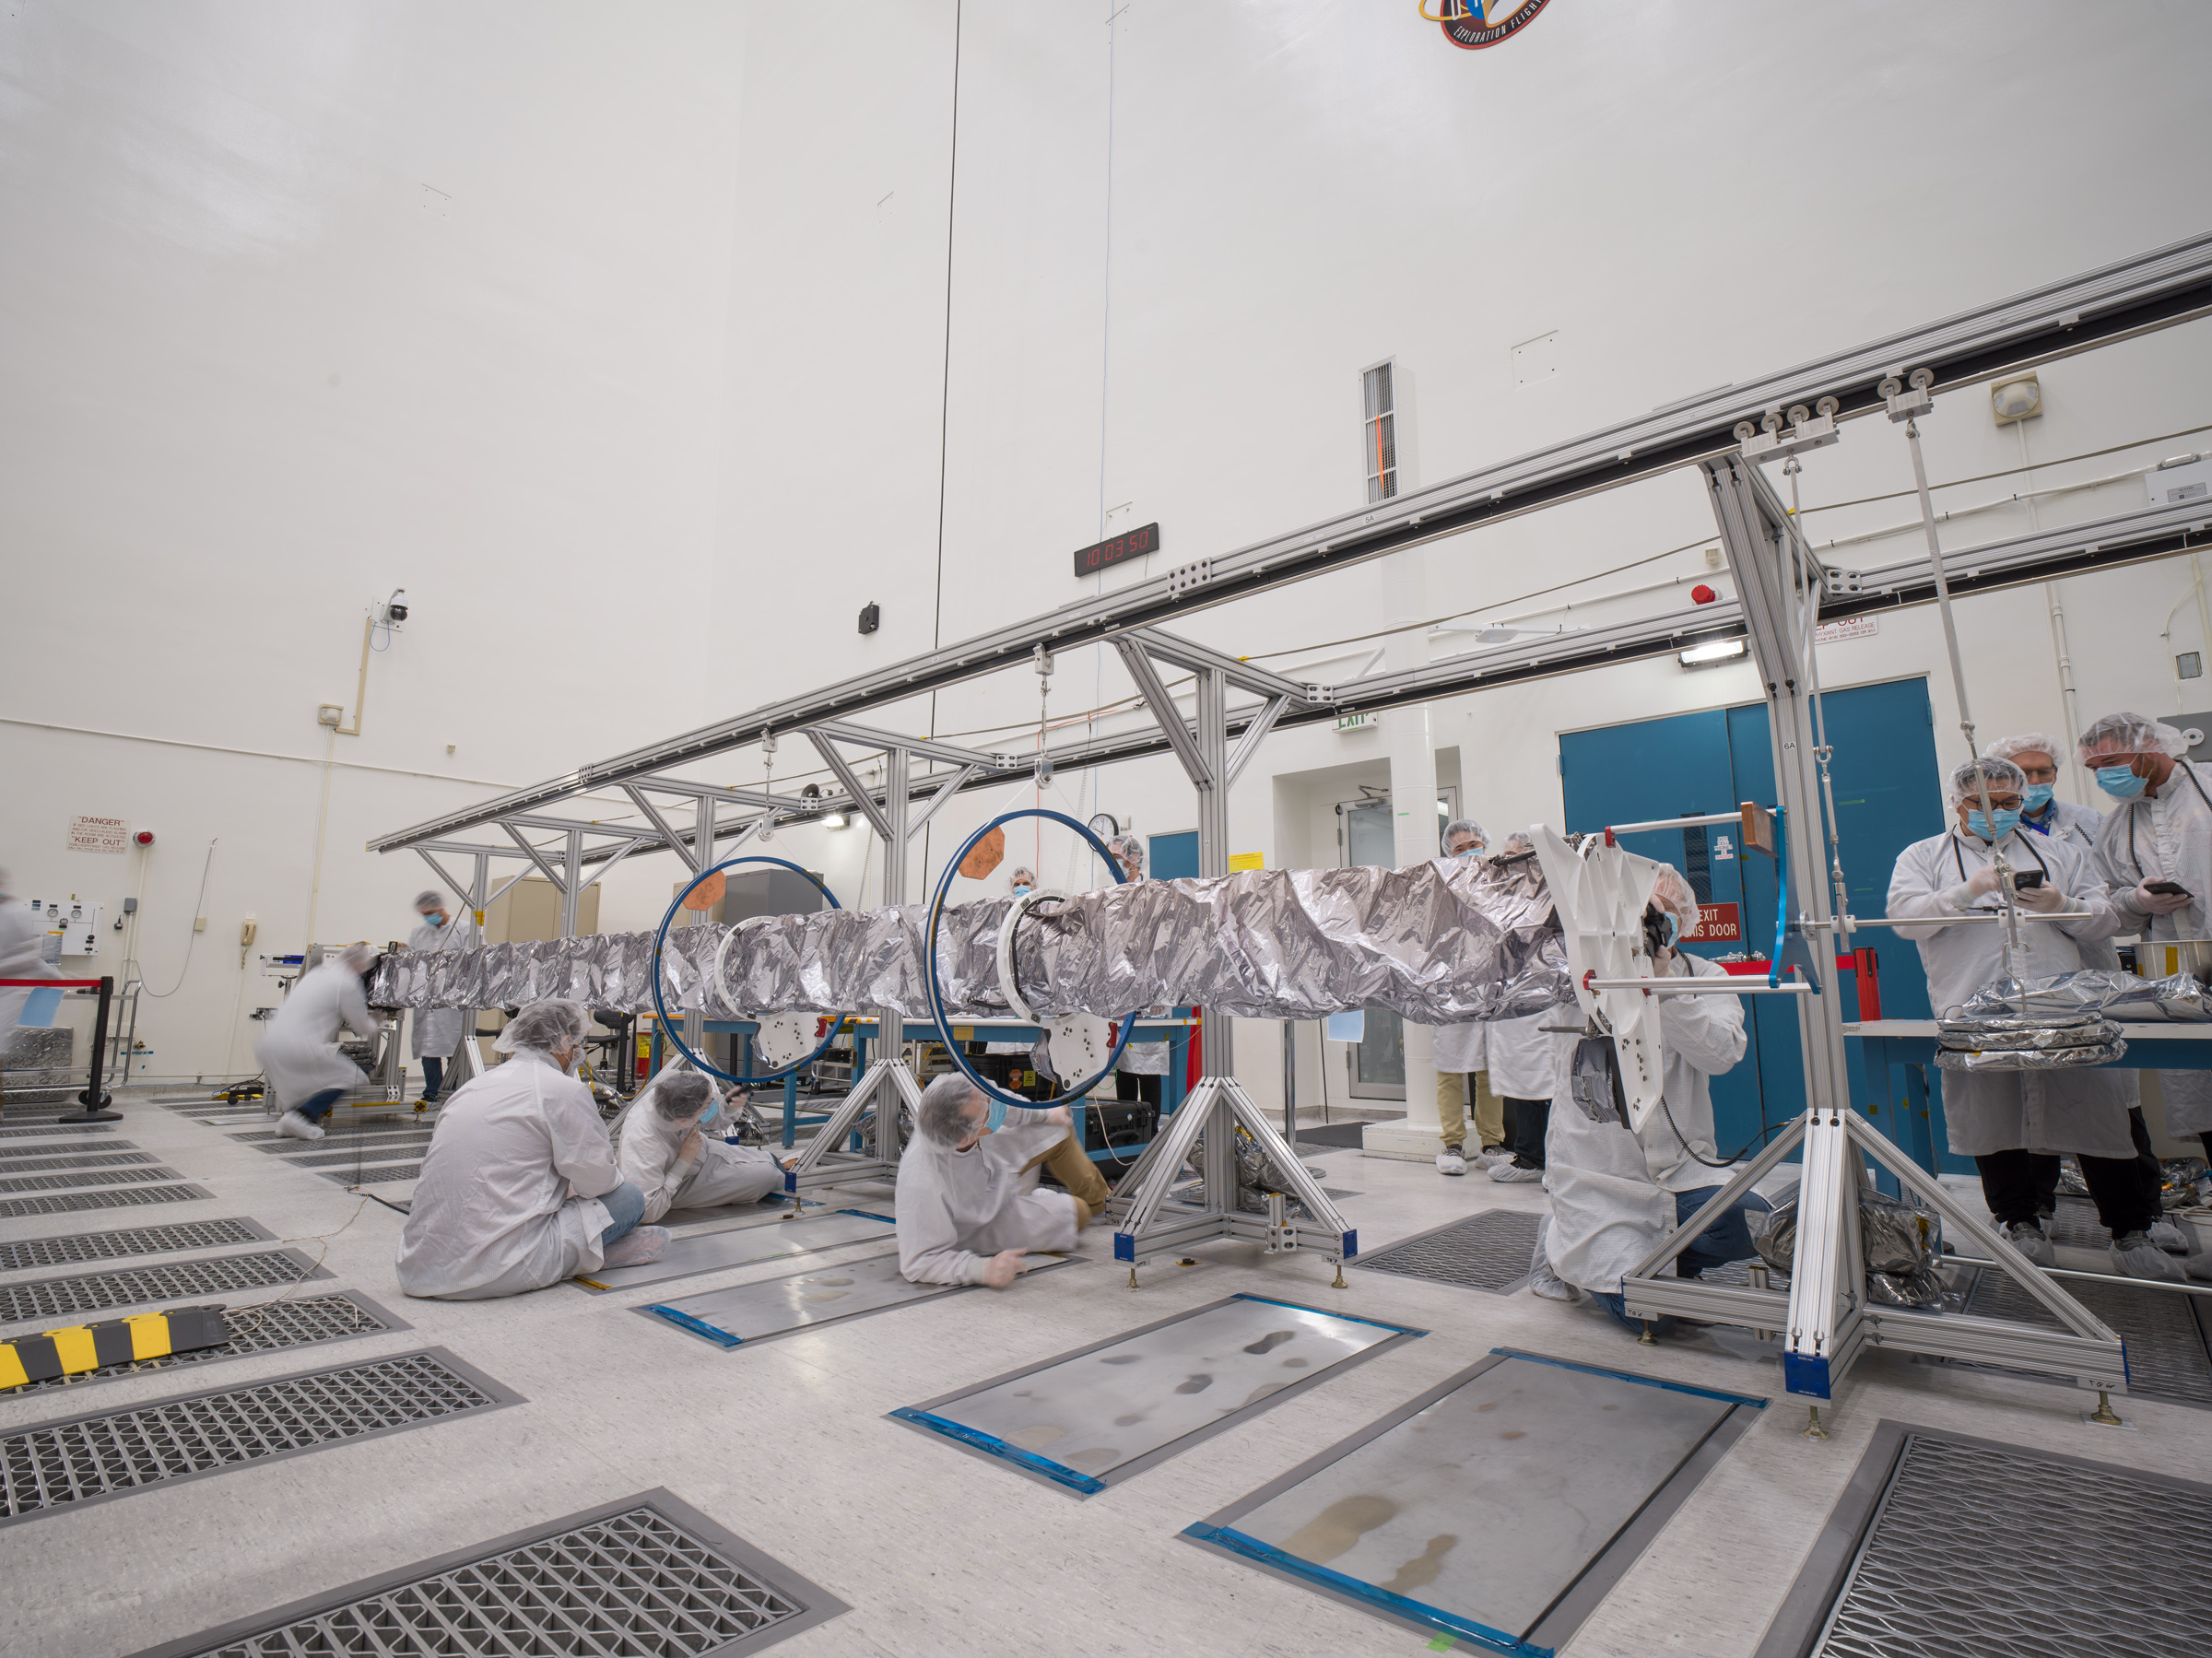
(1474, 24)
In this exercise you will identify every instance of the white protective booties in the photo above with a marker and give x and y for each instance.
(298, 1127)
(639, 1248)
(1451, 1161)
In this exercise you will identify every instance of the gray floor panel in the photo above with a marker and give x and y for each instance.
(89, 1177)
(105, 1159)
(2166, 1348)
(1489, 1250)
(648, 1574)
(31, 1253)
(265, 1326)
(1090, 1418)
(741, 1245)
(115, 1197)
(193, 1281)
(1947, 1547)
(1497, 1508)
(91, 1458)
(755, 1312)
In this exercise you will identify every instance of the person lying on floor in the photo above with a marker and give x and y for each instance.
(519, 1189)
(664, 1148)
(969, 1207)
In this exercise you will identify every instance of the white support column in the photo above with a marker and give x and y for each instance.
(1413, 819)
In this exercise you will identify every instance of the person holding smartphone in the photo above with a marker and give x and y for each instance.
(2015, 1124)
(2155, 849)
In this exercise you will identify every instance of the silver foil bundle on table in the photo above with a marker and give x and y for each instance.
(1438, 944)
(2103, 991)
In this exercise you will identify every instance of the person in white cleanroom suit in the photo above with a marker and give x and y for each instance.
(2159, 833)
(2015, 1123)
(520, 1188)
(969, 1204)
(664, 1148)
(22, 955)
(298, 1052)
(1616, 1196)
(1142, 1064)
(1459, 1055)
(436, 1037)
(2041, 812)
(1521, 1061)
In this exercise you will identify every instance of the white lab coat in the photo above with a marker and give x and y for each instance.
(956, 1209)
(2067, 821)
(1519, 1056)
(22, 947)
(2167, 837)
(2081, 1111)
(298, 1052)
(437, 1030)
(1612, 1193)
(1458, 1048)
(508, 1198)
(649, 1151)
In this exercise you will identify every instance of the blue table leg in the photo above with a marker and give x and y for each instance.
(791, 1110)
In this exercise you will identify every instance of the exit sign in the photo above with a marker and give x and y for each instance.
(1130, 544)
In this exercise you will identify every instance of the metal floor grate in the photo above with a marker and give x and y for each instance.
(2076, 1224)
(55, 1465)
(114, 1197)
(119, 1177)
(79, 1128)
(369, 1177)
(53, 1147)
(326, 1159)
(1489, 1250)
(644, 1575)
(268, 1139)
(263, 1328)
(166, 1281)
(1978, 1548)
(31, 1253)
(2166, 1354)
(33, 1165)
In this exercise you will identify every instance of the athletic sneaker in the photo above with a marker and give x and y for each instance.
(641, 1247)
(1514, 1172)
(2028, 1238)
(1450, 1161)
(298, 1127)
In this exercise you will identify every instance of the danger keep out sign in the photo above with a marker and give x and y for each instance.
(99, 834)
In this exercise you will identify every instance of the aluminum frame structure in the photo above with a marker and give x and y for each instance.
(2149, 291)
(1826, 1319)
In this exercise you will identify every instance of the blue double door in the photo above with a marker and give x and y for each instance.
(1684, 765)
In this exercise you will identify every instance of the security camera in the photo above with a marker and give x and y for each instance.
(395, 607)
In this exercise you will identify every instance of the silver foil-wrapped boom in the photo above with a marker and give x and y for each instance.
(1438, 944)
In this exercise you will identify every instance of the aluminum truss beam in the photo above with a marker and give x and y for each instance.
(2150, 290)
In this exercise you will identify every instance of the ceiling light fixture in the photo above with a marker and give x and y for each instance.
(1712, 651)
(2015, 400)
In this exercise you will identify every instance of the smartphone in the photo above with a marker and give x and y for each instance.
(2027, 880)
(2167, 889)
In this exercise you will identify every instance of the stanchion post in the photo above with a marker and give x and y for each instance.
(94, 1099)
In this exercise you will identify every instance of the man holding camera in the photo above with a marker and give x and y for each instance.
(2015, 1123)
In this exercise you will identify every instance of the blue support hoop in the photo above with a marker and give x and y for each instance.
(937, 993)
(660, 1007)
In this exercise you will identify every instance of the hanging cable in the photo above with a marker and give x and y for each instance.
(197, 909)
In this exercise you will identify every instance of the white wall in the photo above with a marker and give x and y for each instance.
(658, 387)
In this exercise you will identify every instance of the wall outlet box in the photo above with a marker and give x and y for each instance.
(199, 924)
(329, 714)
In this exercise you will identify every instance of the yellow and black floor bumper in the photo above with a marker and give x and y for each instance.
(54, 1353)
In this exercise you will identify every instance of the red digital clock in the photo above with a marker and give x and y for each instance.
(1132, 544)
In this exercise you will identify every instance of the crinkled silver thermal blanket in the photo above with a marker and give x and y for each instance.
(2106, 990)
(1902, 1244)
(1437, 944)
(2020, 1059)
(1977, 1035)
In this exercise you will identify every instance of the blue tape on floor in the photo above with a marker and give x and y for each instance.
(1599, 1370)
(1058, 1473)
(684, 1321)
(1436, 1617)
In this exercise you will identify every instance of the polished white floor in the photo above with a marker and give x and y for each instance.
(938, 1552)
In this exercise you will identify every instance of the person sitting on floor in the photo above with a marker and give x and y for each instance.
(663, 1148)
(969, 1208)
(520, 1189)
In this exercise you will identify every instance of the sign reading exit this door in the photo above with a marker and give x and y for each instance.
(1717, 924)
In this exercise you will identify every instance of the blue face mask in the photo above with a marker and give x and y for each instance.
(2007, 823)
(2120, 782)
(1468, 851)
(713, 1110)
(2037, 797)
(1021, 892)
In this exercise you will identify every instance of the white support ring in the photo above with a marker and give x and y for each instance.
(1015, 912)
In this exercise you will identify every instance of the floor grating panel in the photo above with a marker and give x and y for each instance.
(2076, 1224)
(265, 1327)
(52, 1182)
(369, 1177)
(118, 1197)
(326, 1159)
(167, 1281)
(83, 1459)
(28, 1164)
(268, 1139)
(645, 1575)
(49, 1133)
(28, 1253)
(1489, 1251)
(2166, 1352)
(1945, 1547)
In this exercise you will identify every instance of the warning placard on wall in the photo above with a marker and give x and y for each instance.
(1717, 924)
(99, 834)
